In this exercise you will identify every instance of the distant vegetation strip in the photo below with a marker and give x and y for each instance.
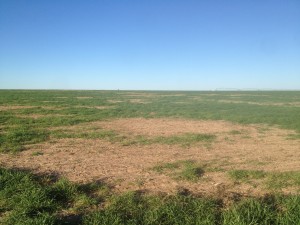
(280, 108)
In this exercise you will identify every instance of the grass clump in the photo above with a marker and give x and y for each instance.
(15, 139)
(246, 175)
(133, 208)
(235, 132)
(278, 180)
(249, 211)
(100, 134)
(182, 170)
(272, 180)
(186, 140)
(23, 200)
(28, 199)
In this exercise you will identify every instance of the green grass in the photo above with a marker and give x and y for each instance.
(32, 199)
(17, 131)
(245, 175)
(186, 140)
(181, 170)
(279, 180)
(29, 199)
(195, 105)
(15, 139)
(272, 180)
(133, 208)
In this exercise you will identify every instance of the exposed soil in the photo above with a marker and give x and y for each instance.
(139, 101)
(168, 127)
(114, 101)
(37, 116)
(97, 107)
(84, 97)
(294, 104)
(12, 107)
(130, 167)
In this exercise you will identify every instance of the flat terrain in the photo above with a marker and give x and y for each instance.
(123, 137)
(206, 143)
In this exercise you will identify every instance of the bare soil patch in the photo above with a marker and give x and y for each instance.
(83, 97)
(294, 104)
(97, 107)
(167, 127)
(12, 107)
(130, 167)
(139, 101)
(114, 101)
(37, 116)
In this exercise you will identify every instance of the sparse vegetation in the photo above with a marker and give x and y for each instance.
(245, 175)
(272, 180)
(185, 170)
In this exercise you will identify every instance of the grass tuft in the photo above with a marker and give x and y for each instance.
(15, 139)
(245, 175)
(182, 170)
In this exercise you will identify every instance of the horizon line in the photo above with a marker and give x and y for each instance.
(186, 90)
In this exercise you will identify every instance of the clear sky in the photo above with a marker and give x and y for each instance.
(150, 44)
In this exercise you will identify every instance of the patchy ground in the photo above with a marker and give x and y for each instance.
(168, 127)
(251, 147)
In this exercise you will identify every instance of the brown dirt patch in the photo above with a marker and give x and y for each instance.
(114, 101)
(294, 104)
(97, 107)
(33, 116)
(167, 127)
(37, 116)
(12, 107)
(129, 167)
(84, 97)
(139, 101)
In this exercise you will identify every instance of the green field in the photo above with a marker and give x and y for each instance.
(29, 118)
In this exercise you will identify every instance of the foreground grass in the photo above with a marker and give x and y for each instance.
(271, 180)
(31, 199)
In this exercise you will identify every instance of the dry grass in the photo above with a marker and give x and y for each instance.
(83, 160)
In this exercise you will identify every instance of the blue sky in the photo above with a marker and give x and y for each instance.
(150, 45)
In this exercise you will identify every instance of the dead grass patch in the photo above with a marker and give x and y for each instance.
(84, 160)
(37, 116)
(139, 101)
(114, 101)
(295, 104)
(12, 107)
(84, 97)
(167, 127)
(97, 107)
